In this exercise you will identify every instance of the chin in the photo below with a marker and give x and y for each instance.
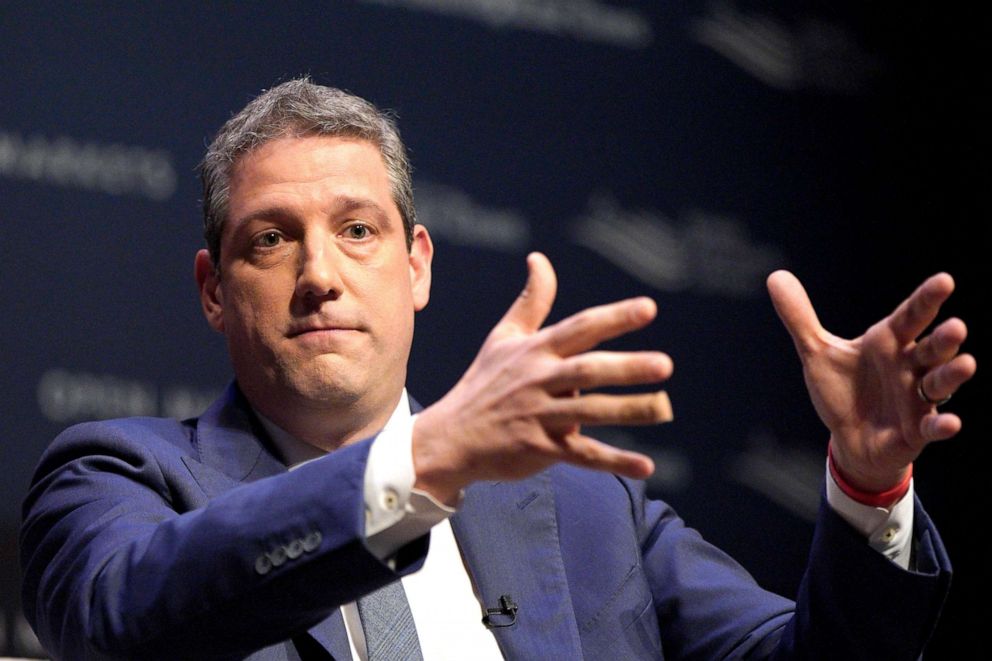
(330, 386)
(323, 393)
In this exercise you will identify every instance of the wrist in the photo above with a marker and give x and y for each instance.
(873, 496)
(433, 465)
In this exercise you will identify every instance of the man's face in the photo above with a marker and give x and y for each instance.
(317, 290)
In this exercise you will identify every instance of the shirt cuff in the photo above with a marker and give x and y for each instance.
(395, 512)
(889, 530)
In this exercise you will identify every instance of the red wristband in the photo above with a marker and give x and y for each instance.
(872, 498)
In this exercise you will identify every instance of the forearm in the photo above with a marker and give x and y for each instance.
(855, 603)
(124, 559)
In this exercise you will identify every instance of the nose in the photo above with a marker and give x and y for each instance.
(319, 277)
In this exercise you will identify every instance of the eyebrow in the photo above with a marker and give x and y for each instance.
(347, 203)
(342, 204)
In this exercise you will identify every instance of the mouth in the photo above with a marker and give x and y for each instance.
(325, 332)
(319, 330)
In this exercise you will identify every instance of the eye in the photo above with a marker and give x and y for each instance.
(358, 231)
(269, 239)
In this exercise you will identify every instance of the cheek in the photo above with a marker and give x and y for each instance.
(250, 310)
(386, 304)
(399, 320)
(394, 296)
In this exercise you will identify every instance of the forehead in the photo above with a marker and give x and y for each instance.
(316, 165)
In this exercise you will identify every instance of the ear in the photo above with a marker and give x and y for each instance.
(211, 297)
(421, 254)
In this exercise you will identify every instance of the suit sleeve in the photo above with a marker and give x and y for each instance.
(124, 556)
(853, 603)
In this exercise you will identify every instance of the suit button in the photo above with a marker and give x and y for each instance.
(312, 541)
(390, 500)
(277, 556)
(294, 549)
(263, 565)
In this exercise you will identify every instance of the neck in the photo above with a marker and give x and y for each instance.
(331, 425)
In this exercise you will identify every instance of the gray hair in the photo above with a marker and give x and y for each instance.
(299, 108)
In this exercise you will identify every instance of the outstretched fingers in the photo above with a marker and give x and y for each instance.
(577, 333)
(584, 330)
(939, 426)
(918, 311)
(586, 451)
(794, 309)
(597, 369)
(601, 409)
(535, 377)
(943, 381)
(533, 305)
(941, 345)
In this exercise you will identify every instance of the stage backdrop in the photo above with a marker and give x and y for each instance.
(676, 150)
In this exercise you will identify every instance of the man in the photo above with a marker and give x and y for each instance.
(278, 522)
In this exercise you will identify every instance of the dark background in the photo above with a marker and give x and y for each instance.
(678, 150)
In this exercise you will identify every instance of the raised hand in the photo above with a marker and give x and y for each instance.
(518, 409)
(878, 394)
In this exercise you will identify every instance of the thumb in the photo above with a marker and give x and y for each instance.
(794, 308)
(534, 303)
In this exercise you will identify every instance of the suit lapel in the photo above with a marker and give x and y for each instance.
(235, 449)
(508, 536)
(231, 440)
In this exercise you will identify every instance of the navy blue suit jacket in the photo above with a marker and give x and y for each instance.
(147, 538)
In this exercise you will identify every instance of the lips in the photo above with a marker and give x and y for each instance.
(322, 328)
